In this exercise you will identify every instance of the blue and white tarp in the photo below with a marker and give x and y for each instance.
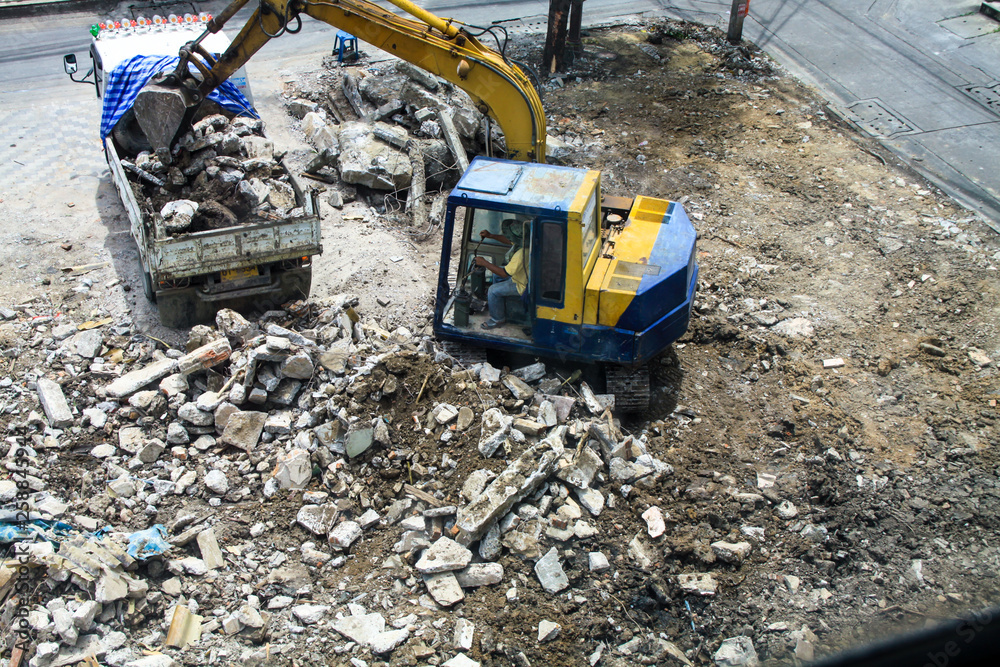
(125, 81)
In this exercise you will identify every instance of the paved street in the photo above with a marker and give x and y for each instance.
(924, 78)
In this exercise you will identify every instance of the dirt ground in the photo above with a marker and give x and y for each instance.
(839, 358)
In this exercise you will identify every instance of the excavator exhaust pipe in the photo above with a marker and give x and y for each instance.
(161, 112)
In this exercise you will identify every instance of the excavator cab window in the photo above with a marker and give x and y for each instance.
(551, 264)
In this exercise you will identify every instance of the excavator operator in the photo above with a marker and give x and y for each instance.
(512, 278)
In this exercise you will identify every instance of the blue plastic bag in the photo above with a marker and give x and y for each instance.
(146, 543)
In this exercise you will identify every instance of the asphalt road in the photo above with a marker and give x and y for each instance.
(922, 78)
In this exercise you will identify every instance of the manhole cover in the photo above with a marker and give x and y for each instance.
(876, 119)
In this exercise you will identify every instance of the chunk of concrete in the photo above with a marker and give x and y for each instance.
(597, 561)
(298, 366)
(317, 519)
(494, 430)
(151, 450)
(208, 545)
(131, 438)
(698, 583)
(88, 343)
(655, 524)
(480, 574)
(358, 442)
(521, 478)
(135, 380)
(733, 553)
(53, 401)
(445, 555)
(591, 500)
(736, 652)
(579, 468)
(444, 588)
(547, 631)
(364, 160)
(465, 418)
(550, 572)
(309, 614)
(243, 429)
(518, 387)
(345, 534)
(293, 470)
(465, 632)
(190, 413)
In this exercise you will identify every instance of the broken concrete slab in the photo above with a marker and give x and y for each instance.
(364, 160)
(135, 380)
(520, 478)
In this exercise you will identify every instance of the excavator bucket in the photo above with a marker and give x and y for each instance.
(161, 112)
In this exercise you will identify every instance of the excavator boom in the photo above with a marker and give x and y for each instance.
(499, 88)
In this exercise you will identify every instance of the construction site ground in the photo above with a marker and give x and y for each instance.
(841, 357)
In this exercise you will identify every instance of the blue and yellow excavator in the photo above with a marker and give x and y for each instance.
(600, 280)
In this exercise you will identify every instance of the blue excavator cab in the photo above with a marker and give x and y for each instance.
(609, 280)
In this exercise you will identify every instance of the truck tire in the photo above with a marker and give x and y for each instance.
(147, 284)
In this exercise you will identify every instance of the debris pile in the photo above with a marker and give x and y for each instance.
(307, 425)
(225, 172)
(389, 127)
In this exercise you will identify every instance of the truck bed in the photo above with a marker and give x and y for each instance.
(232, 248)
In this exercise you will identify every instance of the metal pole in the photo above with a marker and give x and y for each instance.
(737, 13)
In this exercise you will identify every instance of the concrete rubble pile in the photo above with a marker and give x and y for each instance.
(413, 132)
(403, 111)
(225, 172)
(265, 460)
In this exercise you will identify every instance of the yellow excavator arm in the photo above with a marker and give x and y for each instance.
(498, 87)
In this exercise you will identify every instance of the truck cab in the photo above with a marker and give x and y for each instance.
(609, 280)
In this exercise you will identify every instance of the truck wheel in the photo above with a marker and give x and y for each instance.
(147, 284)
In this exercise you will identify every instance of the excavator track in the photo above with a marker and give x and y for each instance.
(465, 355)
(630, 387)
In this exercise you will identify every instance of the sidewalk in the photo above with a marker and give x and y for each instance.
(923, 78)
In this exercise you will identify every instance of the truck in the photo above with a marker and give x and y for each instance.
(607, 281)
(260, 260)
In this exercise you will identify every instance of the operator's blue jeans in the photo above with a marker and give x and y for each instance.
(495, 298)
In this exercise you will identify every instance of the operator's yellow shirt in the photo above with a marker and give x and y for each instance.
(515, 269)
